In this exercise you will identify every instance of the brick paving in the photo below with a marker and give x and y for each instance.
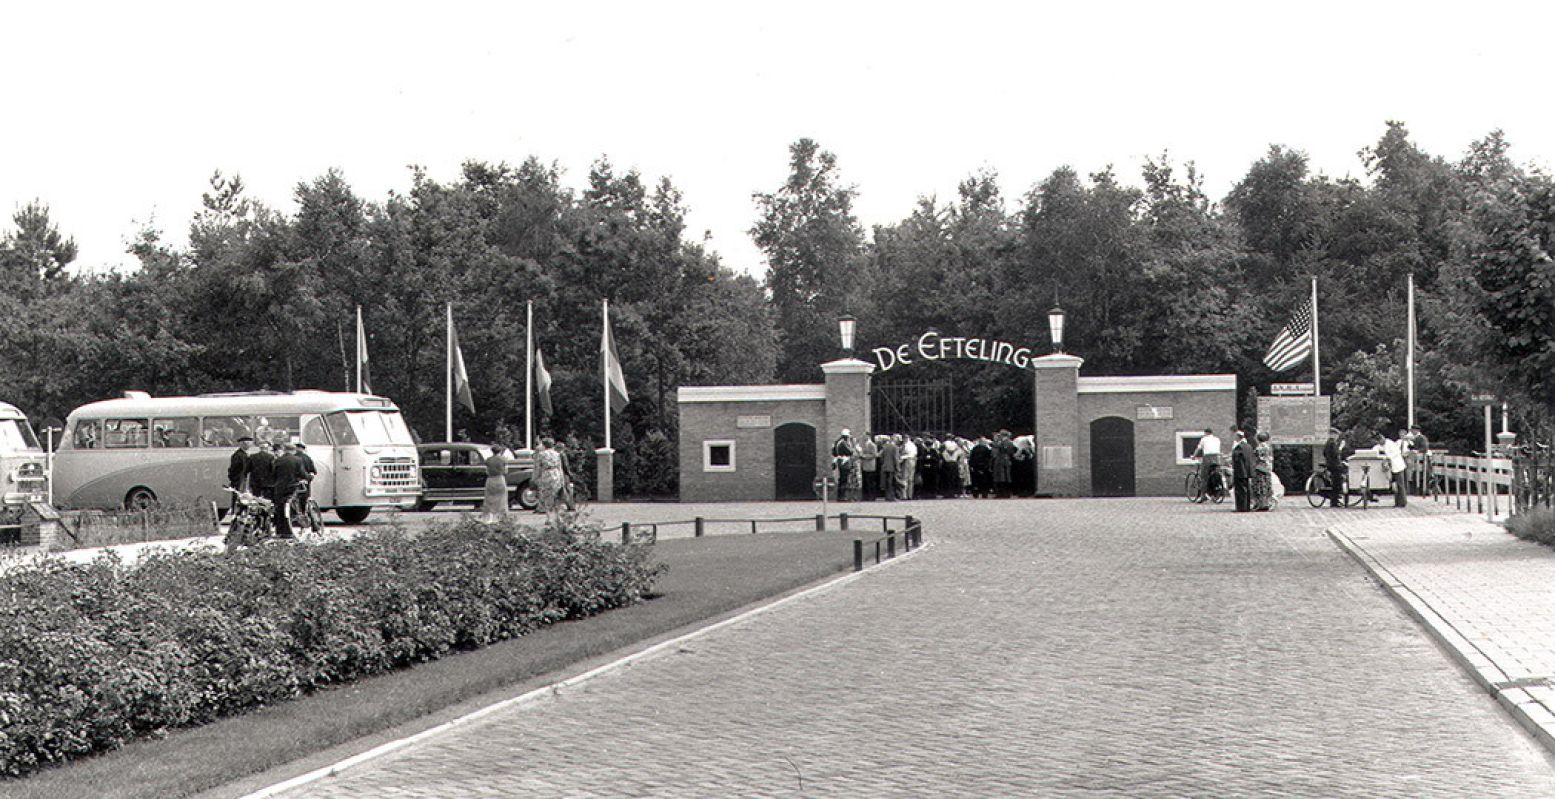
(1037, 648)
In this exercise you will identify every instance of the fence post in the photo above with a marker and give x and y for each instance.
(753, 526)
(820, 521)
(858, 554)
(890, 545)
(700, 528)
(877, 552)
(842, 518)
(626, 532)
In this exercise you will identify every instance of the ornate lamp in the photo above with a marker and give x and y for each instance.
(848, 325)
(1055, 326)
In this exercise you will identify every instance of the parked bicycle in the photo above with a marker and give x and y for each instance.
(304, 513)
(252, 523)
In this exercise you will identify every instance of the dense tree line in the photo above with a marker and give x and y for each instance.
(1156, 277)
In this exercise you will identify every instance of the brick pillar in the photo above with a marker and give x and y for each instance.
(1057, 400)
(605, 476)
(847, 399)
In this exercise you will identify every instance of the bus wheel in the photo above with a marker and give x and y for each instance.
(355, 514)
(140, 498)
(527, 496)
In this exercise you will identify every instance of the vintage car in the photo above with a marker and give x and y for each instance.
(456, 472)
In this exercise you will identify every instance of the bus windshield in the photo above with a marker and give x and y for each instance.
(376, 428)
(16, 434)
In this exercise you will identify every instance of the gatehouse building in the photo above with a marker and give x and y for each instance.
(1109, 436)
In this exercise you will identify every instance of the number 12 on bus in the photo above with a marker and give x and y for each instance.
(142, 450)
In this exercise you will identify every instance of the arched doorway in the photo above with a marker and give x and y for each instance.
(793, 448)
(1112, 457)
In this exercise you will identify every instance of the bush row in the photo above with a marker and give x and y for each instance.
(1535, 524)
(93, 655)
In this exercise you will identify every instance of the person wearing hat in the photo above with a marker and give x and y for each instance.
(238, 469)
(1334, 453)
(843, 452)
(261, 470)
(288, 473)
(309, 471)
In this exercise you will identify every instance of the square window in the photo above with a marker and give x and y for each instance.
(717, 456)
(1187, 442)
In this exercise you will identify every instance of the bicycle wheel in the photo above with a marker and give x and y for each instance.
(237, 532)
(1317, 490)
(1190, 486)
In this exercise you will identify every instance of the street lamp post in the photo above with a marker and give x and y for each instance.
(1055, 326)
(847, 326)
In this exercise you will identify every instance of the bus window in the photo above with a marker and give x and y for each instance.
(224, 431)
(16, 436)
(174, 433)
(376, 428)
(277, 429)
(124, 433)
(340, 428)
(87, 434)
(314, 433)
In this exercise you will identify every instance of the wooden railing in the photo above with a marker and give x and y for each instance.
(1477, 484)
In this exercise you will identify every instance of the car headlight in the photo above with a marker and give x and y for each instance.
(376, 472)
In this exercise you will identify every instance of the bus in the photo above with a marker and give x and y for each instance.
(23, 478)
(139, 450)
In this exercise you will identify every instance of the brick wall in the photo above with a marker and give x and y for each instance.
(1156, 471)
(753, 478)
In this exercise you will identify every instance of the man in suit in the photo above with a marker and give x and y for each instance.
(237, 469)
(1243, 462)
(888, 464)
(261, 470)
(1334, 453)
(289, 470)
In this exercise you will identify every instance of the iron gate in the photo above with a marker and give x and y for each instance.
(913, 408)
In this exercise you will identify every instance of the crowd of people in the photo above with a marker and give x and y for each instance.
(276, 470)
(1256, 487)
(926, 465)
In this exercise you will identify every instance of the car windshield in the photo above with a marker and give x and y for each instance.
(377, 428)
(16, 435)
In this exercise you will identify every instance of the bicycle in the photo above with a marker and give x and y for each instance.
(253, 521)
(304, 513)
(1217, 490)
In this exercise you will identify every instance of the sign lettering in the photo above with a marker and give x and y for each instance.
(932, 346)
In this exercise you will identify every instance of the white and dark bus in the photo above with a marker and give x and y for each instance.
(22, 474)
(142, 450)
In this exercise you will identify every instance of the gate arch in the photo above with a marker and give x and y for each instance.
(1112, 457)
(793, 454)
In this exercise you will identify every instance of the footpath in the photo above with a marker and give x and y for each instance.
(1484, 595)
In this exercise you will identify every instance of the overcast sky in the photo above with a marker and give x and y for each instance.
(116, 114)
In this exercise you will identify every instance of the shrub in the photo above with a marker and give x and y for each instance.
(93, 655)
(1535, 524)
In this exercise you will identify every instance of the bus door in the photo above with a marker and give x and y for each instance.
(321, 448)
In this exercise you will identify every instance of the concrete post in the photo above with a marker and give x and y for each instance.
(606, 474)
(1057, 398)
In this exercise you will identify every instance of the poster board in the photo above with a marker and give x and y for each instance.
(1295, 420)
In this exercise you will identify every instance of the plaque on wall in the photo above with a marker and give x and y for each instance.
(1153, 412)
(752, 421)
(1057, 457)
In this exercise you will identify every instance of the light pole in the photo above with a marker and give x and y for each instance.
(1055, 327)
(847, 326)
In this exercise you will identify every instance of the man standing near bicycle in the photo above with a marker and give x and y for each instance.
(289, 470)
(1334, 453)
(1208, 456)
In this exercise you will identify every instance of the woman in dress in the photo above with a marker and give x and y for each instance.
(1263, 473)
(494, 505)
(548, 476)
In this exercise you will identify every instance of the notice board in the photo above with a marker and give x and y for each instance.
(1294, 420)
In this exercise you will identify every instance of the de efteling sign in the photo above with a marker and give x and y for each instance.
(931, 346)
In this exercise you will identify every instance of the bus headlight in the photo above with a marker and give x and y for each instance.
(376, 473)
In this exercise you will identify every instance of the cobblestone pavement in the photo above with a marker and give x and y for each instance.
(1482, 594)
(1142, 647)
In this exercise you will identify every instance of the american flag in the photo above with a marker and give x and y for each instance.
(1293, 344)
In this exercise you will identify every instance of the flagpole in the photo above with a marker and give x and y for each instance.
(529, 375)
(604, 370)
(358, 349)
(448, 413)
(1317, 375)
(1410, 362)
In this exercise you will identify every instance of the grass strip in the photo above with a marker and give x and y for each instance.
(707, 578)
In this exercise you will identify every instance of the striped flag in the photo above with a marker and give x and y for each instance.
(364, 379)
(615, 379)
(542, 383)
(1293, 344)
(461, 377)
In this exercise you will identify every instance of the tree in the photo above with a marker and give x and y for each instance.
(34, 256)
(813, 246)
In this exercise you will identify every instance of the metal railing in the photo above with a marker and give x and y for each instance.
(910, 533)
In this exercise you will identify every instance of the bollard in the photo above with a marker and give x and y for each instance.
(753, 526)
(626, 532)
(858, 554)
(820, 521)
(890, 545)
(842, 518)
(877, 552)
(701, 527)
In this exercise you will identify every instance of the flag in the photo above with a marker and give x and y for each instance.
(364, 380)
(615, 380)
(1293, 344)
(461, 377)
(542, 383)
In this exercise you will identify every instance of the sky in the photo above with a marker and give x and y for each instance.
(117, 114)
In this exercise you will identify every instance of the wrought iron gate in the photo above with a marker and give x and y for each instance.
(913, 408)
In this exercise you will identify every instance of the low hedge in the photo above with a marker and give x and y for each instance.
(1534, 524)
(92, 655)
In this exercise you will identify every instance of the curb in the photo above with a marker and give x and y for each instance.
(1529, 711)
(555, 688)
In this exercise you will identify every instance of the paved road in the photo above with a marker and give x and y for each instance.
(1038, 648)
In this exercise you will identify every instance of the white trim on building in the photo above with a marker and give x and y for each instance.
(1149, 383)
(778, 393)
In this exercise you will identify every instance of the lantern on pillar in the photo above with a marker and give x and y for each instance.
(847, 326)
(1055, 326)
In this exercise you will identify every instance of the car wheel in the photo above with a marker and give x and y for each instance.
(140, 498)
(527, 496)
(355, 514)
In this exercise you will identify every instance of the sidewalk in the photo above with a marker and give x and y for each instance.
(1483, 594)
